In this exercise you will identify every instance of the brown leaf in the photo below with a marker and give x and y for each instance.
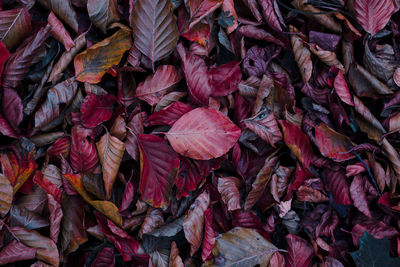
(228, 187)
(174, 258)
(154, 218)
(154, 28)
(93, 63)
(59, 32)
(102, 13)
(250, 248)
(15, 25)
(326, 56)
(301, 54)
(63, 9)
(119, 127)
(110, 150)
(260, 183)
(194, 221)
(6, 195)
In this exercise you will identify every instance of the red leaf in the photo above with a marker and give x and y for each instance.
(373, 15)
(157, 85)
(336, 183)
(105, 258)
(225, 78)
(340, 86)
(298, 142)
(96, 109)
(333, 144)
(158, 167)
(201, 8)
(269, 14)
(4, 55)
(168, 115)
(265, 126)
(124, 243)
(47, 186)
(83, 155)
(300, 253)
(197, 76)
(209, 234)
(203, 134)
(188, 178)
(12, 107)
(16, 251)
(134, 127)
(55, 218)
(6, 129)
(59, 32)
(127, 198)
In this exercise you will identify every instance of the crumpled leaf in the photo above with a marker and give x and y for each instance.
(59, 32)
(269, 14)
(154, 28)
(265, 126)
(93, 63)
(192, 134)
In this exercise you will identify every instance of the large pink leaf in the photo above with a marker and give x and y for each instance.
(203, 134)
(373, 15)
(197, 76)
(157, 85)
(158, 167)
(226, 78)
(96, 109)
(83, 155)
(168, 115)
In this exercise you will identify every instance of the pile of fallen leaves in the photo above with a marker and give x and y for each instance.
(200, 132)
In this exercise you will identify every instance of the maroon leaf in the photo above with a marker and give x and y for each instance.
(197, 76)
(269, 14)
(158, 167)
(265, 126)
(340, 85)
(357, 193)
(157, 85)
(134, 127)
(4, 55)
(187, 179)
(225, 78)
(12, 107)
(228, 187)
(21, 59)
(209, 234)
(83, 155)
(105, 258)
(59, 32)
(300, 253)
(15, 25)
(96, 109)
(168, 115)
(336, 183)
(16, 251)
